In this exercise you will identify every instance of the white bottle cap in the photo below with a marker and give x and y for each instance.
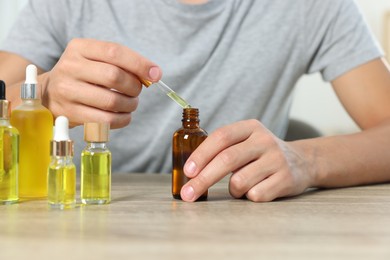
(61, 132)
(31, 74)
(61, 145)
(29, 88)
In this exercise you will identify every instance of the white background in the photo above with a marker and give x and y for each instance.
(314, 101)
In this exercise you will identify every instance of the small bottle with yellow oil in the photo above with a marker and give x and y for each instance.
(96, 165)
(62, 171)
(9, 151)
(35, 125)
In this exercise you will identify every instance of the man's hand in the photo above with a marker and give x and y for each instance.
(96, 81)
(263, 166)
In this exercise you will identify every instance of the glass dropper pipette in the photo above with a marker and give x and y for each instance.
(168, 91)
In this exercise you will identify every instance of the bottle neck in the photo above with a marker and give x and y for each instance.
(97, 146)
(4, 122)
(5, 110)
(31, 103)
(62, 160)
(62, 148)
(29, 91)
(190, 118)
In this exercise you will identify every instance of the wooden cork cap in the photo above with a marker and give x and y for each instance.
(96, 132)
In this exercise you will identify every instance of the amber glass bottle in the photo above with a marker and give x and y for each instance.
(185, 141)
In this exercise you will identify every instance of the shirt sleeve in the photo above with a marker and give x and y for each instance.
(337, 38)
(39, 32)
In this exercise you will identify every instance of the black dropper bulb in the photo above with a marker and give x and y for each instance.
(2, 90)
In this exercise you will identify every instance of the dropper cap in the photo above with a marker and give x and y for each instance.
(61, 145)
(96, 132)
(30, 86)
(5, 110)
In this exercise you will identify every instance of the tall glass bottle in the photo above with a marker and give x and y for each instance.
(62, 171)
(96, 165)
(35, 125)
(9, 151)
(185, 141)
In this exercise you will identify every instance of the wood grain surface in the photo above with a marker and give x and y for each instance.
(144, 222)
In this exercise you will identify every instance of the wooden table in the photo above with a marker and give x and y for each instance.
(144, 222)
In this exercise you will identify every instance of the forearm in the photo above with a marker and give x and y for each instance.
(348, 160)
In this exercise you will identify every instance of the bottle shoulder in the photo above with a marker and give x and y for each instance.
(62, 162)
(31, 105)
(35, 113)
(93, 151)
(191, 131)
(8, 129)
(67, 166)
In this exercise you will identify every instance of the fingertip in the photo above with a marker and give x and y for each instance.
(155, 73)
(187, 193)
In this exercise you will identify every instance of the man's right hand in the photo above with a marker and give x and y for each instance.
(94, 81)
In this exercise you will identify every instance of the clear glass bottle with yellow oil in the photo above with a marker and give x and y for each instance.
(35, 125)
(185, 141)
(62, 171)
(9, 151)
(96, 165)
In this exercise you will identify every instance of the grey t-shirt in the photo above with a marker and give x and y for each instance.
(233, 59)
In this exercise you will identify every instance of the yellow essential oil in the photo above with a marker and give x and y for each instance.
(168, 91)
(62, 171)
(96, 177)
(35, 125)
(96, 165)
(61, 185)
(179, 100)
(9, 151)
(9, 138)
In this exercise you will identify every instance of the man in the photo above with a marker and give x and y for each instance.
(237, 61)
